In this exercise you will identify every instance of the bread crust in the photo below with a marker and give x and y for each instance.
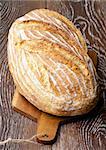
(49, 63)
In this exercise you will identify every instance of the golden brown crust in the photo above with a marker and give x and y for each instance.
(49, 63)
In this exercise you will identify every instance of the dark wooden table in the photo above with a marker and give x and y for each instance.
(85, 134)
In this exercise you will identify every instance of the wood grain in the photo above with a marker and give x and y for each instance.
(85, 134)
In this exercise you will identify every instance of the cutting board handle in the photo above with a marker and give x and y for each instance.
(47, 128)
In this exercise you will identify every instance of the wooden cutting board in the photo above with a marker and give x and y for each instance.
(47, 125)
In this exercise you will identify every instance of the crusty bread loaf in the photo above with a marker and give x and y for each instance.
(49, 63)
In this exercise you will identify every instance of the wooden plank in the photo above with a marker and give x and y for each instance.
(46, 133)
(21, 105)
(85, 134)
(47, 126)
(87, 16)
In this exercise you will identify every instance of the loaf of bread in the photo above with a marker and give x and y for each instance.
(48, 60)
